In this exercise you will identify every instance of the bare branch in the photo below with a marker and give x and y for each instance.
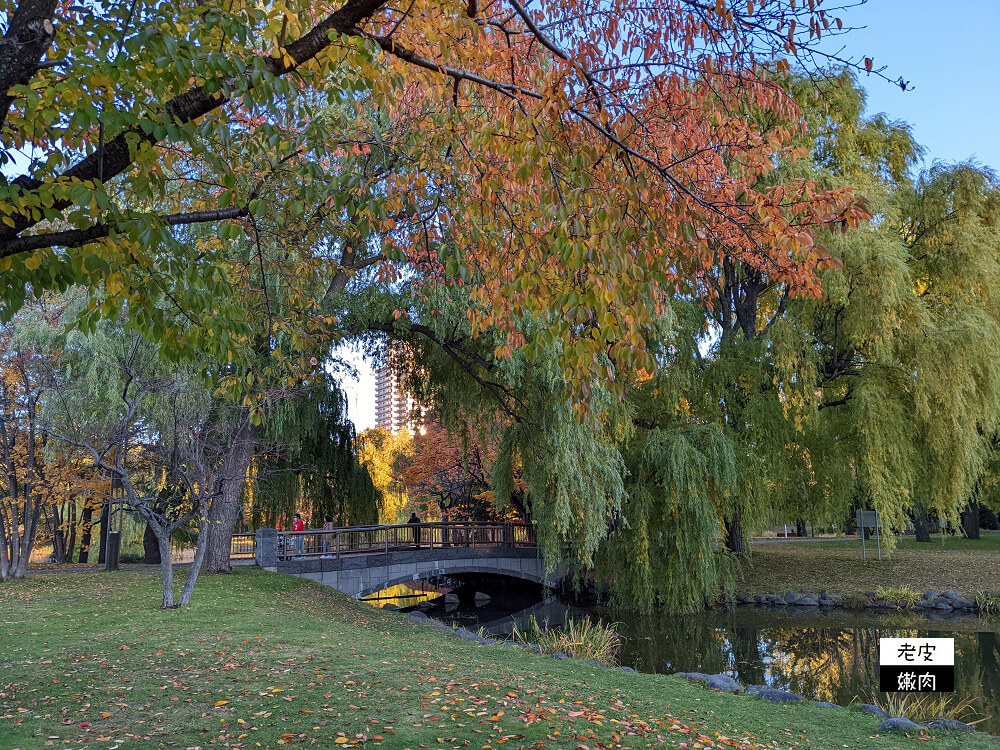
(78, 237)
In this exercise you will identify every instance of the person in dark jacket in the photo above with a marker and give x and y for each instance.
(416, 528)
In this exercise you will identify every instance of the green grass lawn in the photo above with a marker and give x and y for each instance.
(264, 660)
(964, 565)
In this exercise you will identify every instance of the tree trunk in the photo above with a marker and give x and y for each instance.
(150, 547)
(72, 525)
(4, 553)
(800, 528)
(199, 558)
(58, 540)
(166, 568)
(105, 520)
(32, 511)
(88, 524)
(970, 520)
(735, 541)
(228, 507)
(922, 526)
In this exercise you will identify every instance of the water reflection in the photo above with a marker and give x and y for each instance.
(405, 595)
(829, 656)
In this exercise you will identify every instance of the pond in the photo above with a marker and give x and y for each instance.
(828, 656)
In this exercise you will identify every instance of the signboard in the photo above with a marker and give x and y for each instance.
(867, 519)
(916, 665)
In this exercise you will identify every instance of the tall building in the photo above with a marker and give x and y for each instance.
(392, 404)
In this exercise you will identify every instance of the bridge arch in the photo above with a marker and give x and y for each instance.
(500, 567)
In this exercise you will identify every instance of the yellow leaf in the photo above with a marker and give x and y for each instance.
(32, 262)
(221, 703)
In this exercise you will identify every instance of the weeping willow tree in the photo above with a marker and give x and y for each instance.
(883, 392)
(665, 549)
(913, 367)
(310, 465)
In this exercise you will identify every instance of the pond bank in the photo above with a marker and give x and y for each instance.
(967, 566)
(828, 655)
(262, 658)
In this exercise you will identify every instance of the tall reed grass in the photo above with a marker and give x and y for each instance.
(579, 639)
(924, 707)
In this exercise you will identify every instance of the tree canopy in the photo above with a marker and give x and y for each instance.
(637, 160)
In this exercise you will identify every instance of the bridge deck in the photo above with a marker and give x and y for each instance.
(367, 540)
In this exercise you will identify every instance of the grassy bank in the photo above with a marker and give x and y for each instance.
(263, 660)
(963, 565)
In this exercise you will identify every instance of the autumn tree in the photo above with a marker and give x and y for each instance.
(614, 116)
(382, 454)
(568, 165)
(453, 471)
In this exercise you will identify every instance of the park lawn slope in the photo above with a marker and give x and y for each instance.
(265, 660)
(967, 566)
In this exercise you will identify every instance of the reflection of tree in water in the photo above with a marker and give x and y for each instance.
(989, 680)
(748, 654)
(667, 644)
(824, 663)
(836, 663)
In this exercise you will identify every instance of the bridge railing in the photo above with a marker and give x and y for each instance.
(243, 546)
(360, 540)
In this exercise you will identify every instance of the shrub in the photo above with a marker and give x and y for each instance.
(899, 594)
(989, 603)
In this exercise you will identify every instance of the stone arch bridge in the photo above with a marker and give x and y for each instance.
(361, 560)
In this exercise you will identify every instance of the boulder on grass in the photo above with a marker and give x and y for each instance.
(868, 708)
(694, 676)
(899, 725)
(949, 724)
(723, 682)
(774, 695)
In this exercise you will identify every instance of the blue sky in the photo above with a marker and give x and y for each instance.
(950, 52)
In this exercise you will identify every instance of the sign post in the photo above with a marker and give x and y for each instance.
(865, 520)
(916, 665)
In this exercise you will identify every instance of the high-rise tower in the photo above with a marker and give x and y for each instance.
(392, 404)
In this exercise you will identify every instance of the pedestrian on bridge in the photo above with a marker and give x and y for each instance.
(327, 526)
(416, 528)
(298, 525)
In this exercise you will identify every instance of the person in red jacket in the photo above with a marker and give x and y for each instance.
(298, 525)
